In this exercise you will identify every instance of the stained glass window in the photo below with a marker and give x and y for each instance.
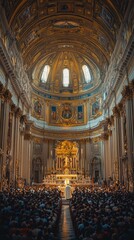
(87, 73)
(45, 73)
(65, 77)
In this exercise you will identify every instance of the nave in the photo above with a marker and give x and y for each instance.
(90, 214)
(66, 230)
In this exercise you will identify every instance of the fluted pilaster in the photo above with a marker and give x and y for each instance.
(128, 98)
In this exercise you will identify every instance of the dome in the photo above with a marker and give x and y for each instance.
(66, 73)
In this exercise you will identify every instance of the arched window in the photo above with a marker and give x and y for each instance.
(65, 77)
(87, 74)
(45, 73)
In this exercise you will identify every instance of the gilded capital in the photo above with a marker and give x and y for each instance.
(116, 112)
(132, 86)
(13, 107)
(7, 95)
(27, 136)
(127, 93)
(18, 112)
(2, 90)
(121, 108)
(108, 120)
(104, 136)
(23, 119)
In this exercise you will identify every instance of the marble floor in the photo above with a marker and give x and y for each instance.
(66, 231)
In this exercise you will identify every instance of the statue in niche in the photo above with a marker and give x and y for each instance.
(66, 165)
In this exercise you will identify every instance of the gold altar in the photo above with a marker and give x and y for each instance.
(66, 170)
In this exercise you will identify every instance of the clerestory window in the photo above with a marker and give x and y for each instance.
(87, 73)
(45, 73)
(65, 77)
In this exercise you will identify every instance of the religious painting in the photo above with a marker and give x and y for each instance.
(53, 113)
(80, 112)
(95, 108)
(65, 7)
(37, 107)
(67, 111)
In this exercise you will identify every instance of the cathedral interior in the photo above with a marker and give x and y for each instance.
(66, 92)
(66, 119)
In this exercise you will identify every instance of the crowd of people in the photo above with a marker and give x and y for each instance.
(29, 214)
(103, 214)
(98, 213)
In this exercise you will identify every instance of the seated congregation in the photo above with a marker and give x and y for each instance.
(97, 213)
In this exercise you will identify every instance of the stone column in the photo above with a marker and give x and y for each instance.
(27, 153)
(23, 121)
(128, 96)
(2, 90)
(11, 140)
(16, 154)
(117, 145)
(6, 109)
(45, 155)
(104, 137)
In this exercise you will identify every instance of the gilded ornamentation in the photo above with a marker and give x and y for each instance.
(127, 93)
(7, 95)
(121, 108)
(116, 112)
(2, 90)
(66, 148)
(18, 112)
(104, 136)
(13, 108)
(96, 139)
(23, 119)
(27, 136)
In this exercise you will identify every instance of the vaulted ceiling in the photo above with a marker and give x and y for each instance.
(45, 28)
